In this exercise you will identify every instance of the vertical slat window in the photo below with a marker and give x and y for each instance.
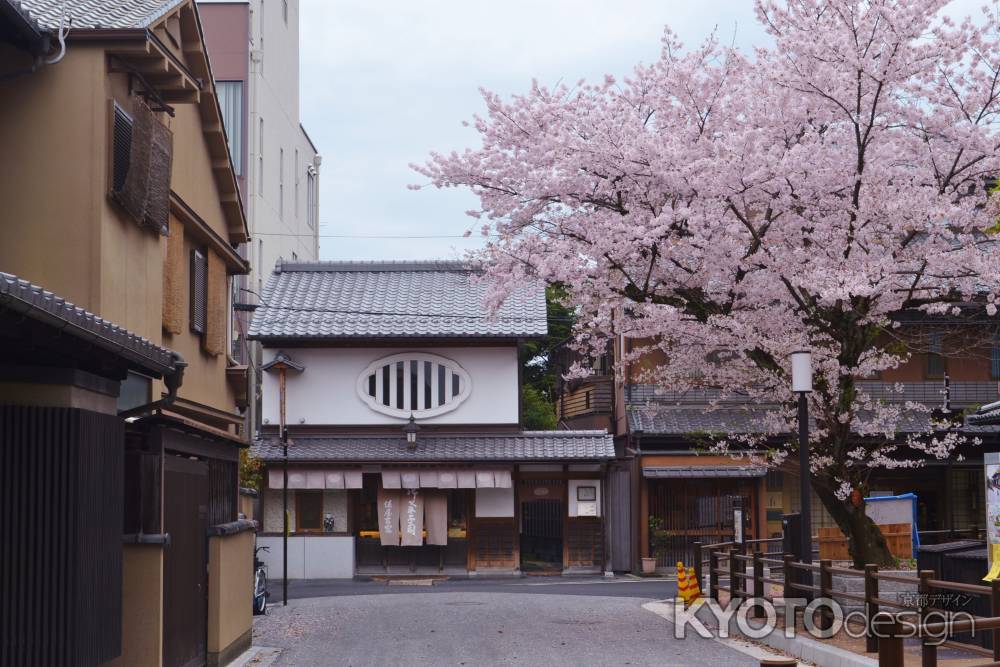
(400, 385)
(230, 94)
(935, 358)
(426, 384)
(995, 356)
(122, 148)
(199, 291)
(385, 385)
(442, 385)
(414, 403)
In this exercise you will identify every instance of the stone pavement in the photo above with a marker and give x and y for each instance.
(454, 626)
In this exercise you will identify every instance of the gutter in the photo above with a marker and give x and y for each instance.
(175, 367)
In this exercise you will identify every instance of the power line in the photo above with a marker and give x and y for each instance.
(376, 236)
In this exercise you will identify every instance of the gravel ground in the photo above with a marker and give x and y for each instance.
(477, 628)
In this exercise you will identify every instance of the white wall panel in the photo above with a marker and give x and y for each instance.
(326, 392)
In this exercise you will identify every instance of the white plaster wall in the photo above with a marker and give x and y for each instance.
(313, 557)
(326, 392)
(494, 503)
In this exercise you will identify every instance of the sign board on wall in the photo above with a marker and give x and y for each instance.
(992, 461)
(584, 497)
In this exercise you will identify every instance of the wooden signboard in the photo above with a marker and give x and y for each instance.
(899, 537)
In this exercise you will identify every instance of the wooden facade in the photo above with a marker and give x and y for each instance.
(60, 536)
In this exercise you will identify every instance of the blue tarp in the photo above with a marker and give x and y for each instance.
(912, 497)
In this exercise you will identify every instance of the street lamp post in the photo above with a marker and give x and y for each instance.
(282, 364)
(802, 385)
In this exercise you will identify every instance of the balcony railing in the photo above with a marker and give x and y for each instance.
(963, 394)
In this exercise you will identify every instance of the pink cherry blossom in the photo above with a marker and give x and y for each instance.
(729, 208)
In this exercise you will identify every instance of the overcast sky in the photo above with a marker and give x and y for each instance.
(384, 83)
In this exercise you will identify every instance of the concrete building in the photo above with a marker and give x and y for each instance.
(120, 198)
(254, 48)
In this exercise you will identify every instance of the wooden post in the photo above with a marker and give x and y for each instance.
(890, 646)
(713, 574)
(697, 566)
(995, 611)
(758, 582)
(825, 588)
(871, 607)
(928, 651)
(734, 598)
(789, 573)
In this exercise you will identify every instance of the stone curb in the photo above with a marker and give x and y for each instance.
(818, 653)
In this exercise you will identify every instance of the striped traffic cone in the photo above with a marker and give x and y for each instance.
(694, 586)
(683, 586)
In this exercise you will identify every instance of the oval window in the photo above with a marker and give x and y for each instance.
(417, 383)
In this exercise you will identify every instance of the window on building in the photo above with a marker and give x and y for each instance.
(140, 165)
(122, 145)
(281, 183)
(230, 95)
(308, 511)
(311, 198)
(136, 390)
(995, 356)
(935, 357)
(199, 291)
(260, 157)
(295, 167)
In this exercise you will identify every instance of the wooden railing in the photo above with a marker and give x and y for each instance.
(884, 629)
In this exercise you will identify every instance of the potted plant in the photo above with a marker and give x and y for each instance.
(657, 543)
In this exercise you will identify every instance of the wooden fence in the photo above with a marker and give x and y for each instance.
(884, 630)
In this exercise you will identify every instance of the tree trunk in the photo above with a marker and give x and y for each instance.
(865, 541)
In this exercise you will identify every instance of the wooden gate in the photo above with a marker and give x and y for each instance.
(185, 584)
(619, 518)
(692, 510)
(542, 533)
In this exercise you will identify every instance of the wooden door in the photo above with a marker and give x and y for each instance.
(185, 561)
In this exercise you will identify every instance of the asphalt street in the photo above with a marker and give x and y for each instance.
(467, 622)
(648, 589)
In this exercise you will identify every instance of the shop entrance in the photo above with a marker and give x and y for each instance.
(371, 557)
(542, 536)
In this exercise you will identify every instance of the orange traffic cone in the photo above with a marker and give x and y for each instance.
(683, 585)
(694, 586)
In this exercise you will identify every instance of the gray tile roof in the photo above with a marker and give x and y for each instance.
(98, 13)
(524, 446)
(694, 420)
(39, 304)
(697, 472)
(335, 300)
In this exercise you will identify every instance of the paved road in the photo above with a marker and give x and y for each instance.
(532, 624)
(649, 589)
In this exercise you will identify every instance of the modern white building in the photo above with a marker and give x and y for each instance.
(254, 49)
(406, 448)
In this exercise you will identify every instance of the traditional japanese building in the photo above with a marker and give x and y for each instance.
(682, 494)
(120, 424)
(405, 446)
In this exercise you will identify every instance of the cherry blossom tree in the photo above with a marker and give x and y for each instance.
(735, 207)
